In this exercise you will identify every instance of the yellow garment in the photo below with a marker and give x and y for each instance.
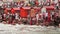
(32, 13)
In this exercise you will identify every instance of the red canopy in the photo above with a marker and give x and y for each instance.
(50, 7)
(13, 8)
(26, 8)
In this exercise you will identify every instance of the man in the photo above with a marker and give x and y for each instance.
(16, 17)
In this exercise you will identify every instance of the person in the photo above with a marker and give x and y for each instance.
(45, 17)
(32, 15)
(0, 17)
(5, 11)
(36, 3)
(26, 3)
(10, 18)
(40, 18)
(37, 17)
(13, 22)
(57, 6)
(43, 10)
(1, 3)
(56, 19)
(16, 17)
(32, 2)
(4, 17)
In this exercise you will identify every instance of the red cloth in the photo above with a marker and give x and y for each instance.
(12, 11)
(6, 11)
(49, 7)
(49, 17)
(23, 13)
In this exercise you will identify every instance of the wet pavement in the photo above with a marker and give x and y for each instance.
(27, 29)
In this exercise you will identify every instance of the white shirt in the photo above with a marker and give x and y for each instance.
(16, 17)
(37, 16)
(52, 13)
(43, 10)
(46, 14)
(41, 15)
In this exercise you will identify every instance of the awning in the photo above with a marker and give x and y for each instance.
(49, 7)
(13, 8)
(26, 8)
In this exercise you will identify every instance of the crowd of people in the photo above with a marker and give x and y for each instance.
(30, 3)
(32, 16)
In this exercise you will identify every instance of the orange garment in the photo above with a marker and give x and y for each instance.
(32, 13)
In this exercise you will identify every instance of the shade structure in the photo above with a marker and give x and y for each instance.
(23, 13)
(49, 7)
(26, 8)
(37, 9)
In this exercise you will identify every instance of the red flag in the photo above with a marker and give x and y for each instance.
(12, 11)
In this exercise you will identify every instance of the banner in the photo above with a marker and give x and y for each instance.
(23, 13)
